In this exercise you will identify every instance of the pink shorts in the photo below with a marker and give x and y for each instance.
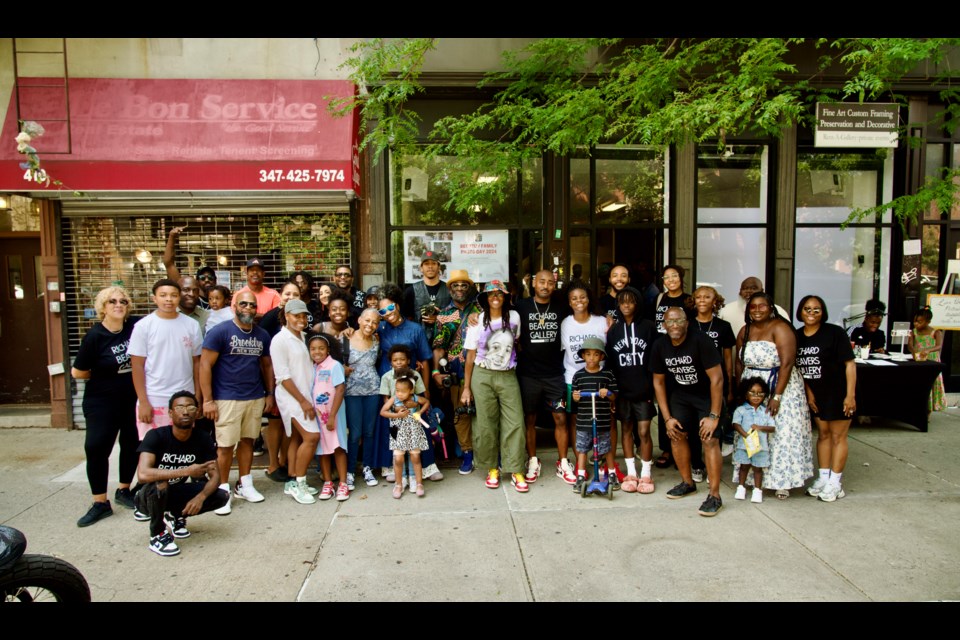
(161, 418)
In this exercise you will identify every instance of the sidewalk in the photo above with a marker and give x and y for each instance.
(892, 538)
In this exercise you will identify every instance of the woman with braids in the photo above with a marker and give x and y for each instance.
(490, 377)
(767, 347)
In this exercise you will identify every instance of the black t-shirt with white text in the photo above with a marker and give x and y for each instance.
(171, 453)
(685, 365)
(666, 302)
(821, 359)
(541, 353)
(104, 354)
(628, 351)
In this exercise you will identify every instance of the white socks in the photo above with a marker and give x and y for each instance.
(631, 466)
(647, 466)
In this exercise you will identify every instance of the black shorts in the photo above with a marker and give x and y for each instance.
(547, 393)
(689, 412)
(635, 410)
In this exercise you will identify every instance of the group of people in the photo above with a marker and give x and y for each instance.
(360, 385)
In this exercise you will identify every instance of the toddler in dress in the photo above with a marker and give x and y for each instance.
(752, 415)
(404, 409)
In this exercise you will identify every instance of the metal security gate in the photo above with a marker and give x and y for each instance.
(101, 250)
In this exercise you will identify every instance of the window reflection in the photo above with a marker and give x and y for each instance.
(732, 184)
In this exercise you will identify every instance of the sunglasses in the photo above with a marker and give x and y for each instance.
(814, 311)
(342, 275)
(207, 277)
(387, 309)
(756, 394)
(244, 303)
(115, 301)
(190, 410)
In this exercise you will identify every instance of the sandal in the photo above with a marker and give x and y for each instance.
(397, 491)
(419, 489)
(664, 461)
(630, 484)
(782, 494)
(646, 485)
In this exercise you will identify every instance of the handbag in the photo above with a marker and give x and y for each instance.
(752, 442)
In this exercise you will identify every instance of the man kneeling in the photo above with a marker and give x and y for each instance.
(168, 455)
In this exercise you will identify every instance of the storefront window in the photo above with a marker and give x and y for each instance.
(629, 186)
(421, 191)
(732, 196)
(725, 256)
(580, 191)
(732, 184)
(933, 166)
(845, 267)
(18, 213)
(929, 262)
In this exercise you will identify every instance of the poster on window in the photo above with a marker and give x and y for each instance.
(484, 254)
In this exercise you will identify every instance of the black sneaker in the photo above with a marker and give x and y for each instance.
(711, 506)
(124, 498)
(258, 446)
(614, 481)
(279, 475)
(98, 511)
(164, 545)
(578, 485)
(682, 490)
(178, 526)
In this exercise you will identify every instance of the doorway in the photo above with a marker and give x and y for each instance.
(22, 328)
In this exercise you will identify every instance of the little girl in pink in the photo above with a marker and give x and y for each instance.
(328, 390)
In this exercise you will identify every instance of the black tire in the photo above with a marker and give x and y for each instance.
(39, 578)
(583, 490)
(609, 492)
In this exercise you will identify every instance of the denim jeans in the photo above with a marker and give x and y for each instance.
(362, 413)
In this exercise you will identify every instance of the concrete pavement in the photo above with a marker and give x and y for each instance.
(892, 538)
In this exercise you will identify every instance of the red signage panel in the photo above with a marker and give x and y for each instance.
(128, 134)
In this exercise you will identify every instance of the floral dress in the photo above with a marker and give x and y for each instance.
(791, 450)
(936, 402)
(406, 434)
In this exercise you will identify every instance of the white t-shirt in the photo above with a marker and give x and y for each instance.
(169, 345)
(733, 310)
(496, 349)
(572, 335)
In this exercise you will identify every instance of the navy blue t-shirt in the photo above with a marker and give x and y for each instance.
(236, 374)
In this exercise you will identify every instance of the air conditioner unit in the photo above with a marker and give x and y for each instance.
(414, 186)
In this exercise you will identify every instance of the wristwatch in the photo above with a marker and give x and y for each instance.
(776, 397)
(714, 416)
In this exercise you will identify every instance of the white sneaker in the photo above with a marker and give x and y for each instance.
(369, 478)
(288, 487)
(817, 487)
(300, 494)
(250, 494)
(741, 493)
(403, 482)
(756, 496)
(699, 475)
(413, 484)
(564, 471)
(350, 479)
(726, 449)
(388, 474)
(533, 469)
(831, 492)
(225, 509)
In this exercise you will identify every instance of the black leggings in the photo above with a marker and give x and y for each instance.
(103, 425)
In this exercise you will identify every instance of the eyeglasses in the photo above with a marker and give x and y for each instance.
(244, 303)
(670, 278)
(674, 323)
(190, 410)
(387, 309)
(115, 301)
(756, 394)
(814, 311)
(207, 277)
(343, 274)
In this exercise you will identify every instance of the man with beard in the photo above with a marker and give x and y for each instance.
(540, 371)
(424, 298)
(267, 298)
(189, 302)
(343, 279)
(448, 343)
(168, 456)
(206, 276)
(235, 375)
